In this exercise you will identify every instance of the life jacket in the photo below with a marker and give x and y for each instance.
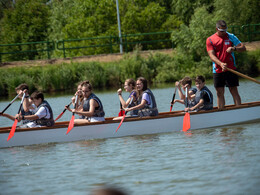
(98, 112)
(133, 103)
(44, 121)
(148, 110)
(25, 121)
(206, 105)
(192, 102)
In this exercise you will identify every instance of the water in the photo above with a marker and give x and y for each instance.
(223, 160)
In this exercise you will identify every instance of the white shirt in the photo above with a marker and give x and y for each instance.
(43, 112)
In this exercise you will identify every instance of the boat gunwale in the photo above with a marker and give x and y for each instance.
(109, 120)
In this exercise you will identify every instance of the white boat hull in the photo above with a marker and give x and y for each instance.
(165, 122)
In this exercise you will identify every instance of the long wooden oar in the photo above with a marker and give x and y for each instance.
(173, 97)
(10, 104)
(124, 115)
(121, 112)
(58, 117)
(71, 124)
(242, 75)
(186, 119)
(11, 134)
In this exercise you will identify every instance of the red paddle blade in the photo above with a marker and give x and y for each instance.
(71, 125)
(58, 117)
(120, 123)
(186, 122)
(11, 134)
(121, 113)
(171, 108)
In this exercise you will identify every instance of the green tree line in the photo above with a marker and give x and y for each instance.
(42, 20)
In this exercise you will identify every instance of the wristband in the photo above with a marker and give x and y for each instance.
(26, 96)
(22, 117)
(235, 48)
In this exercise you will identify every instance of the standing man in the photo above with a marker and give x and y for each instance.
(221, 47)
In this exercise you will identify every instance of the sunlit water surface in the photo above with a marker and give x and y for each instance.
(223, 160)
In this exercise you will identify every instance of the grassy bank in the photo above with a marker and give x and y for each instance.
(157, 68)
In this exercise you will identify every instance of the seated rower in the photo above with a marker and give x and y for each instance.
(203, 97)
(146, 104)
(91, 108)
(80, 97)
(43, 113)
(186, 82)
(27, 107)
(129, 86)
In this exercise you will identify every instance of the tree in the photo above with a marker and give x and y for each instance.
(239, 12)
(26, 22)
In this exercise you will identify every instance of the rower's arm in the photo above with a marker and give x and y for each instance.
(30, 117)
(92, 105)
(181, 95)
(124, 104)
(27, 102)
(201, 102)
(139, 106)
(8, 116)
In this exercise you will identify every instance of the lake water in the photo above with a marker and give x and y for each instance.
(223, 160)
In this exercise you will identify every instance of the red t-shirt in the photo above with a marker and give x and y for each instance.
(220, 45)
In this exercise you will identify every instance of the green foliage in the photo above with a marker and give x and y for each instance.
(27, 22)
(185, 9)
(155, 67)
(248, 63)
(5, 4)
(191, 40)
(99, 19)
(238, 12)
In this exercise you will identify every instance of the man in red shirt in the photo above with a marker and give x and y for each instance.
(221, 47)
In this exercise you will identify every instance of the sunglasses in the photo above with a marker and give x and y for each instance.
(222, 30)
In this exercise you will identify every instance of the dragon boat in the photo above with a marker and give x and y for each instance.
(165, 122)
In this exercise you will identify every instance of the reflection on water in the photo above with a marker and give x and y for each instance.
(170, 163)
(90, 144)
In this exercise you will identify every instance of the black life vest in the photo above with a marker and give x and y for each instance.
(207, 105)
(99, 111)
(148, 110)
(44, 121)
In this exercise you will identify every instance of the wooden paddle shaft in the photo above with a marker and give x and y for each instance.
(242, 75)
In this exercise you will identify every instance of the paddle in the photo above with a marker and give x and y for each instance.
(71, 124)
(173, 97)
(58, 117)
(186, 119)
(121, 112)
(242, 75)
(11, 134)
(10, 104)
(124, 115)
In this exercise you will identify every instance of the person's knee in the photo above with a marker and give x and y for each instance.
(220, 92)
(233, 90)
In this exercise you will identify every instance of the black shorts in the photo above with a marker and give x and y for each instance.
(223, 79)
